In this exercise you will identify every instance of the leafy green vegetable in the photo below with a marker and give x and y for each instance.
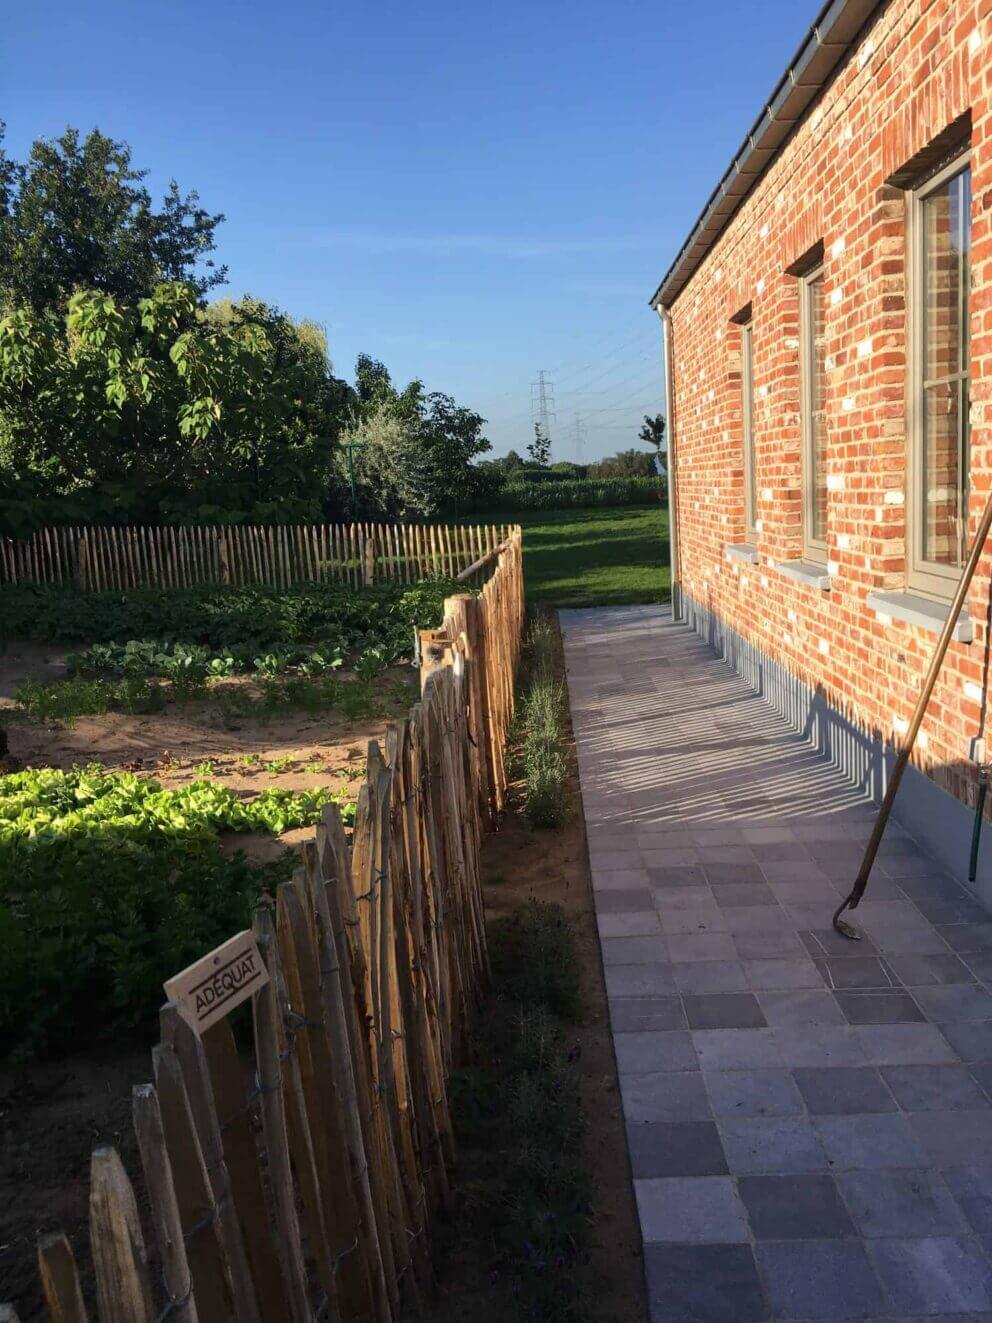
(109, 884)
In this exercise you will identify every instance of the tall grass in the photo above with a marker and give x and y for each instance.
(545, 765)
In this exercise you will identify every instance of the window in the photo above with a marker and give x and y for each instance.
(940, 244)
(812, 374)
(747, 433)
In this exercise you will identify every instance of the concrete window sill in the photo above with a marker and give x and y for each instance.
(804, 571)
(921, 612)
(743, 552)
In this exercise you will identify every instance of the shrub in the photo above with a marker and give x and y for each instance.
(545, 765)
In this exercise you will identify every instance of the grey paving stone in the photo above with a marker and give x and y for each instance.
(637, 1014)
(911, 941)
(634, 950)
(819, 1279)
(771, 1144)
(619, 879)
(702, 976)
(803, 893)
(768, 944)
(704, 1284)
(736, 1049)
(782, 974)
(675, 1148)
(665, 1096)
(800, 1007)
(826, 942)
(972, 1188)
(867, 1142)
(899, 1202)
(676, 877)
(933, 1273)
(971, 1041)
(954, 1139)
(955, 908)
(733, 874)
(929, 970)
(934, 1088)
(981, 1072)
(641, 1053)
(967, 936)
(879, 1007)
(683, 898)
(857, 974)
(962, 1001)
(781, 851)
(697, 920)
(639, 923)
(724, 1010)
(802, 1207)
(738, 895)
(904, 1044)
(639, 981)
(753, 1093)
(843, 1090)
(626, 901)
(819, 1045)
(690, 1209)
(687, 947)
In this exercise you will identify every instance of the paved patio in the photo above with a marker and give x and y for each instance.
(809, 1122)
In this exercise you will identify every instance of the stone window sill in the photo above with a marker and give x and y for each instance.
(805, 571)
(921, 612)
(743, 552)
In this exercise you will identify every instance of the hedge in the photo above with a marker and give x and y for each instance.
(573, 493)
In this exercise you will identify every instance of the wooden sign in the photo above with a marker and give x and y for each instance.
(209, 989)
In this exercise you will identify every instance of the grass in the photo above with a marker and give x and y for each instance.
(607, 557)
(542, 709)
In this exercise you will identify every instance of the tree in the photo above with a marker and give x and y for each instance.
(653, 431)
(411, 453)
(626, 464)
(539, 449)
(164, 408)
(77, 215)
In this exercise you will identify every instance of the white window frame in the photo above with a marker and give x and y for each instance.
(932, 578)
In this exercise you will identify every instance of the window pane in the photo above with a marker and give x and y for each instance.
(817, 419)
(946, 239)
(942, 496)
(747, 389)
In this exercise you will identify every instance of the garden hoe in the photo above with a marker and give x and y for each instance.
(892, 789)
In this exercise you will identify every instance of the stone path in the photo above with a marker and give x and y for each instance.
(808, 1119)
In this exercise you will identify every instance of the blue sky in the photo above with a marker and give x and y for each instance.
(469, 192)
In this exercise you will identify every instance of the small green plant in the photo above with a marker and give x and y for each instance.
(65, 701)
(372, 663)
(206, 768)
(280, 764)
(519, 1123)
(247, 762)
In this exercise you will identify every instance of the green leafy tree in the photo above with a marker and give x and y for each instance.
(652, 433)
(76, 214)
(625, 464)
(412, 453)
(167, 410)
(539, 450)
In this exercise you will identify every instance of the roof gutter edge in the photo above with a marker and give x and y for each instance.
(822, 36)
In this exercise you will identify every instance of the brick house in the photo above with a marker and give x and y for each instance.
(828, 347)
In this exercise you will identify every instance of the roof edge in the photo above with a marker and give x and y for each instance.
(821, 51)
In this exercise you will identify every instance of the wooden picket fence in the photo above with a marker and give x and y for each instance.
(303, 1186)
(93, 558)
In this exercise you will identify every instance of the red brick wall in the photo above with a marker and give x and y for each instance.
(916, 70)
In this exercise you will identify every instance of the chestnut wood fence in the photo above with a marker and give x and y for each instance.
(93, 558)
(304, 1184)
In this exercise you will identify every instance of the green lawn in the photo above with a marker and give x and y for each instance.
(595, 557)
